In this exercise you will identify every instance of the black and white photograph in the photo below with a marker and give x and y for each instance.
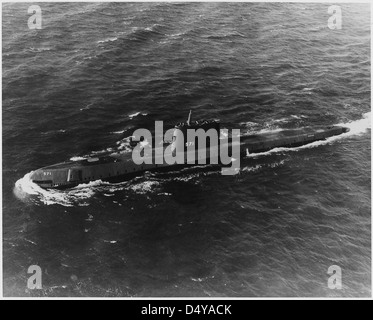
(180, 149)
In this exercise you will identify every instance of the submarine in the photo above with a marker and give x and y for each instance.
(116, 167)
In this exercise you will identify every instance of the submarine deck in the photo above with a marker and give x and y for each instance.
(262, 139)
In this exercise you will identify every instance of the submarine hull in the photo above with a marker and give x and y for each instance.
(120, 167)
(291, 138)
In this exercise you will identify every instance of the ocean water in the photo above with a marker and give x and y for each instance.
(97, 71)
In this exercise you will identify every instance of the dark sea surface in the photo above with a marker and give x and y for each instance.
(97, 71)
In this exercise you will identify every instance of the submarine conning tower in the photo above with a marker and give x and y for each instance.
(180, 136)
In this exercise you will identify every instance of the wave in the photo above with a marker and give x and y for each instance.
(145, 33)
(100, 152)
(136, 114)
(124, 144)
(233, 34)
(298, 117)
(118, 132)
(86, 107)
(108, 40)
(249, 124)
(282, 120)
(176, 35)
(261, 166)
(32, 49)
(136, 34)
(143, 187)
(53, 132)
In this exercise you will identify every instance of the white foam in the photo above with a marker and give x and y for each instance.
(25, 189)
(99, 152)
(176, 35)
(131, 116)
(284, 120)
(110, 241)
(134, 115)
(357, 127)
(249, 124)
(118, 132)
(124, 144)
(77, 158)
(298, 117)
(32, 49)
(108, 40)
(153, 27)
(144, 187)
(90, 184)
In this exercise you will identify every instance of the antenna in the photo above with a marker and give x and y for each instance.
(190, 115)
